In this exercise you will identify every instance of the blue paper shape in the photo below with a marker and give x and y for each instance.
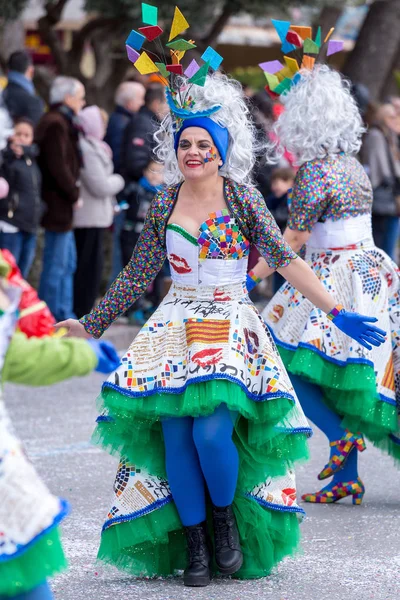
(282, 28)
(287, 47)
(212, 57)
(135, 40)
(296, 78)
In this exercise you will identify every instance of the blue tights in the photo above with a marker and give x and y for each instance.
(327, 421)
(199, 452)
(41, 592)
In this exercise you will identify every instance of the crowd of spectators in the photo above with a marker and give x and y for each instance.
(74, 172)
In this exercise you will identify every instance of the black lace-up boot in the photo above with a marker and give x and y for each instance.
(228, 553)
(198, 572)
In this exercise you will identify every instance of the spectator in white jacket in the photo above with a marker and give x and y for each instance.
(95, 211)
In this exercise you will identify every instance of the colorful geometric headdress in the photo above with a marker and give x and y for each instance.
(305, 53)
(178, 81)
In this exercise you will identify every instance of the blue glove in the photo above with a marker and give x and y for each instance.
(251, 281)
(358, 327)
(107, 357)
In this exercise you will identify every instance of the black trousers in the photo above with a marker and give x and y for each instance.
(90, 261)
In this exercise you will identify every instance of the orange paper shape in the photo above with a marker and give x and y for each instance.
(145, 65)
(332, 29)
(176, 56)
(308, 62)
(179, 24)
(304, 32)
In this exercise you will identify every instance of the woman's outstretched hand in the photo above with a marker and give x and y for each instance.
(360, 329)
(74, 328)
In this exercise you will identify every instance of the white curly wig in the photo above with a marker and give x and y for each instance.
(233, 114)
(321, 117)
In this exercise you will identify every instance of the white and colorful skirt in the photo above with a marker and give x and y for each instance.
(203, 346)
(362, 386)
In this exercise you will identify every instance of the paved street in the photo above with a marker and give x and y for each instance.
(348, 553)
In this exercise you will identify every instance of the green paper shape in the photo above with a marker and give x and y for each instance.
(273, 81)
(310, 47)
(163, 69)
(149, 14)
(181, 45)
(199, 78)
(283, 87)
(318, 37)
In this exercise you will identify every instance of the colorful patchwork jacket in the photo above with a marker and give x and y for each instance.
(245, 204)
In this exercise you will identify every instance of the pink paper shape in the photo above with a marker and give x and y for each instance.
(132, 54)
(192, 69)
(334, 46)
(271, 66)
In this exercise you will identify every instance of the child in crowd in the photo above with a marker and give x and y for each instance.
(139, 196)
(21, 210)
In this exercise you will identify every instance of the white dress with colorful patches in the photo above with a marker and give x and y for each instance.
(332, 198)
(205, 345)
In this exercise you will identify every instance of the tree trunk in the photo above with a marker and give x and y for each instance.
(327, 18)
(376, 48)
(12, 38)
(390, 87)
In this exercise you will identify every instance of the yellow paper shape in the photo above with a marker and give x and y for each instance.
(292, 64)
(304, 32)
(284, 73)
(308, 62)
(179, 24)
(332, 29)
(145, 65)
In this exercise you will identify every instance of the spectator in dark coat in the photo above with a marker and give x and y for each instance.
(19, 95)
(138, 143)
(60, 161)
(129, 98)
(21, 211)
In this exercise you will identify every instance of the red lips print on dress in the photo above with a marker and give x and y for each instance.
(179, 264)
(209, 356)
(221, 296)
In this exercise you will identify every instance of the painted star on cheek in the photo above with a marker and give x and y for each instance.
(211, 155)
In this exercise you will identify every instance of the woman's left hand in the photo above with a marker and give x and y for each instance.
(360, 329)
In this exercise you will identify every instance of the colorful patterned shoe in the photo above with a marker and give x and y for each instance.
(344, 446)
(354, 488)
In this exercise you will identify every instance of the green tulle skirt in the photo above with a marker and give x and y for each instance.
(154, 544)
(350, 391)
(31, 568)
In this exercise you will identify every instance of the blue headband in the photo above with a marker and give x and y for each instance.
(220, 135)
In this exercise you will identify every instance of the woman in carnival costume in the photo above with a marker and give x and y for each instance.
(348, 389)
(201, 406)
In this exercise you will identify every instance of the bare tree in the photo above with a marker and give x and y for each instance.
(377, 50)
(109, 22)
